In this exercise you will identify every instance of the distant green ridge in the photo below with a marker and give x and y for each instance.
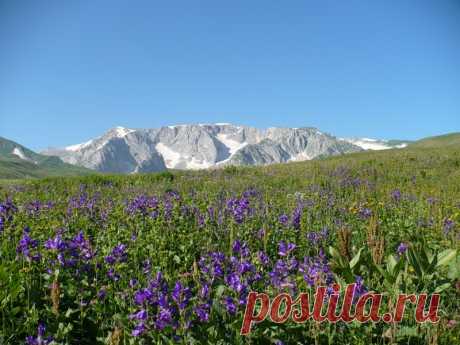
(17, 161)
(451, 139)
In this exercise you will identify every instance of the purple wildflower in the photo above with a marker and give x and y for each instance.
(101, 294)
(202, 311)
(283, 219)
(118, 254)
(139, 329)
(284, 249)
(239, 208)
(263, 258)
(229, 305)
(26, 246)
(141, 315)
(181, 295)
(296, 217)
(396, 195)
(260, 233)
(40, 338)
(142, 296)
(365, 213)
(360, 289)
(448, 225)
(402, 248)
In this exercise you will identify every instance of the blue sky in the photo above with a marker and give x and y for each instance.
(70, 70)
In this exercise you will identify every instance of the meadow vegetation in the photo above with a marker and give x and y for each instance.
(169, 258)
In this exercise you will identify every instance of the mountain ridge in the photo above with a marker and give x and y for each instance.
(202, 146)
(17, 161)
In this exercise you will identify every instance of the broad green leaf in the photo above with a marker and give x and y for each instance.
(454, 269)
(446, 256)
(391, 264)
(355, 259)
(334, 252)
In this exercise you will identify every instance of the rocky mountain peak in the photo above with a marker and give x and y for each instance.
(200, 146)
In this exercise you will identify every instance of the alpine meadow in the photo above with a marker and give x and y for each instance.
(170, 257)
(230, 173)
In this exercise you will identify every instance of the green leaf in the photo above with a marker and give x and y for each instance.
(423, 259)
(355, 259)
(334, 253)
(3, 274)
(391, 264)
(70, 311)
(176, 259)
(442, 287)
(414, 262)
(445, 257)
(454, 269)
(220, 291)
(432, 265)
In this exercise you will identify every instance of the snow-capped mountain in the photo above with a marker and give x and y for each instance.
(375, 144)
(200, 146)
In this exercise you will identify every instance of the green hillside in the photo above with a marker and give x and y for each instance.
(31, 164)
(89, 251)
(451, 139)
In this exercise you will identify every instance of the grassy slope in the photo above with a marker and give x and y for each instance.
(439, 168)
(422, 172)
(451, 139)
(12, 167)
(15, 168)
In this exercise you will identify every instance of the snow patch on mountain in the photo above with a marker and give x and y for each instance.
(117, 132)
(299, 157)
(174, 160)
(373, 144)
(233, 145)
(121, 132)
(195, 164)
(369, 144)
(18, 152)
(401, 146)
(171, 157)
(78, 147)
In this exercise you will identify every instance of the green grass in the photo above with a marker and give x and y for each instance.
(334, 191)
(188, 216)
(452, 139)
(16, 168)
(35, 165)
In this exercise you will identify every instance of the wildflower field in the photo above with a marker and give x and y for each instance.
(170, 258)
